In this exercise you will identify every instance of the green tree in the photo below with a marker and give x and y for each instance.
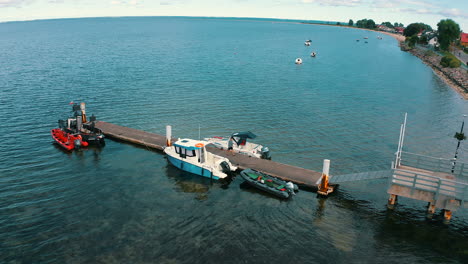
(395, 24)
(423, 40)
(412, 41)
(449, 60)
(351, 22)
(400, 25)
(370, 24)
(366, 23)
(415, 28)
(449, 31)
(387, 24)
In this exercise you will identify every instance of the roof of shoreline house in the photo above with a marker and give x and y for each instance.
(399, 29)
(464, 37)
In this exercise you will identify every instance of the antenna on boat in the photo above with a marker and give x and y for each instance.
(199, 134)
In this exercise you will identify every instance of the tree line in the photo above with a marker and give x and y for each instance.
(448, 31)
(370, 24)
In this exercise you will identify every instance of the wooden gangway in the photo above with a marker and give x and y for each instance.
(303, 177)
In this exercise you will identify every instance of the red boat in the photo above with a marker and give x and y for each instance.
(66, 140)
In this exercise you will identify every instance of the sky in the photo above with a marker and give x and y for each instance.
(402, 11)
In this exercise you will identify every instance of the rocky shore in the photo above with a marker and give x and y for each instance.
(457, 78)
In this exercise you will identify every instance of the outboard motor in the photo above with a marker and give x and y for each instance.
(290, 187)
(225, 168)
(266, 153)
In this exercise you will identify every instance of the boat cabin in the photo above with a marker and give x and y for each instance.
(187, 148)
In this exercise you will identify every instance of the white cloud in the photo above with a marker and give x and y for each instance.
(126, 2)
(453, 12)
(13, 3)
(334, 2)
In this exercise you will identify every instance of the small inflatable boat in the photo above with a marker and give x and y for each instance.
(269, 183)
(66, 140)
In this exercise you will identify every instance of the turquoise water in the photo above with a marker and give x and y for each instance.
(124, 204)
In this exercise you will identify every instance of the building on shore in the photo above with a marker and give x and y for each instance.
(399, 30)
(434, 42)
(464, 39)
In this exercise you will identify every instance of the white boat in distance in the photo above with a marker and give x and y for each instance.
(240, 145)
(190, 155)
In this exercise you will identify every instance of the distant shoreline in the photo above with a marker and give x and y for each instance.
(455, 78)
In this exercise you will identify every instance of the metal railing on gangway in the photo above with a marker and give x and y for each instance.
(438, 186)
(458, 169)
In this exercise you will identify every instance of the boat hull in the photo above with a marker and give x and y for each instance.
(270, 184)
(95, 139)
(66, 140)
(188, 167)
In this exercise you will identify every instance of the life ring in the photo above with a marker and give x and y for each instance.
(199, 145)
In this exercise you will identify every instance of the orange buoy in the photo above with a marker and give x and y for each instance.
(199, 145)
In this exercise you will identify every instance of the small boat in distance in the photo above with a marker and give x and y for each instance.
(366, 37)
(66, 140)
(308, 42)
(191, 156)
(298, 61)
(240, 145)
(268, 183)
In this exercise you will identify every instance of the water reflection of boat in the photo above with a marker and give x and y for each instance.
(241, 145)
(191, 156)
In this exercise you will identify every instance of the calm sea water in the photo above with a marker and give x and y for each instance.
(124, 204)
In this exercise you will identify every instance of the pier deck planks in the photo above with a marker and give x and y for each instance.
(304, 177)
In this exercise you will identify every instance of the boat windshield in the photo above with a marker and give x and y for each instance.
(183, 152)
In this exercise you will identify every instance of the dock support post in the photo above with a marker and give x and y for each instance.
(392, 200)
(168, 136)
(447, 215)
(430, 209)
(323, 187)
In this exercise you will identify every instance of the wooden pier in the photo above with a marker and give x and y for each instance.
(439, 182)
(303, 177)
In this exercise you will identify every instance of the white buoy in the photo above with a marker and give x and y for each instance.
(307, 43)
(168, 135)
(298, 61)
(313, 54)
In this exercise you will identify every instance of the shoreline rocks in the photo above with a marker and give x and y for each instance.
(457, 78)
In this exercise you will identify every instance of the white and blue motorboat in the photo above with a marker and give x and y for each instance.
(191, 156)
(241, 145)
